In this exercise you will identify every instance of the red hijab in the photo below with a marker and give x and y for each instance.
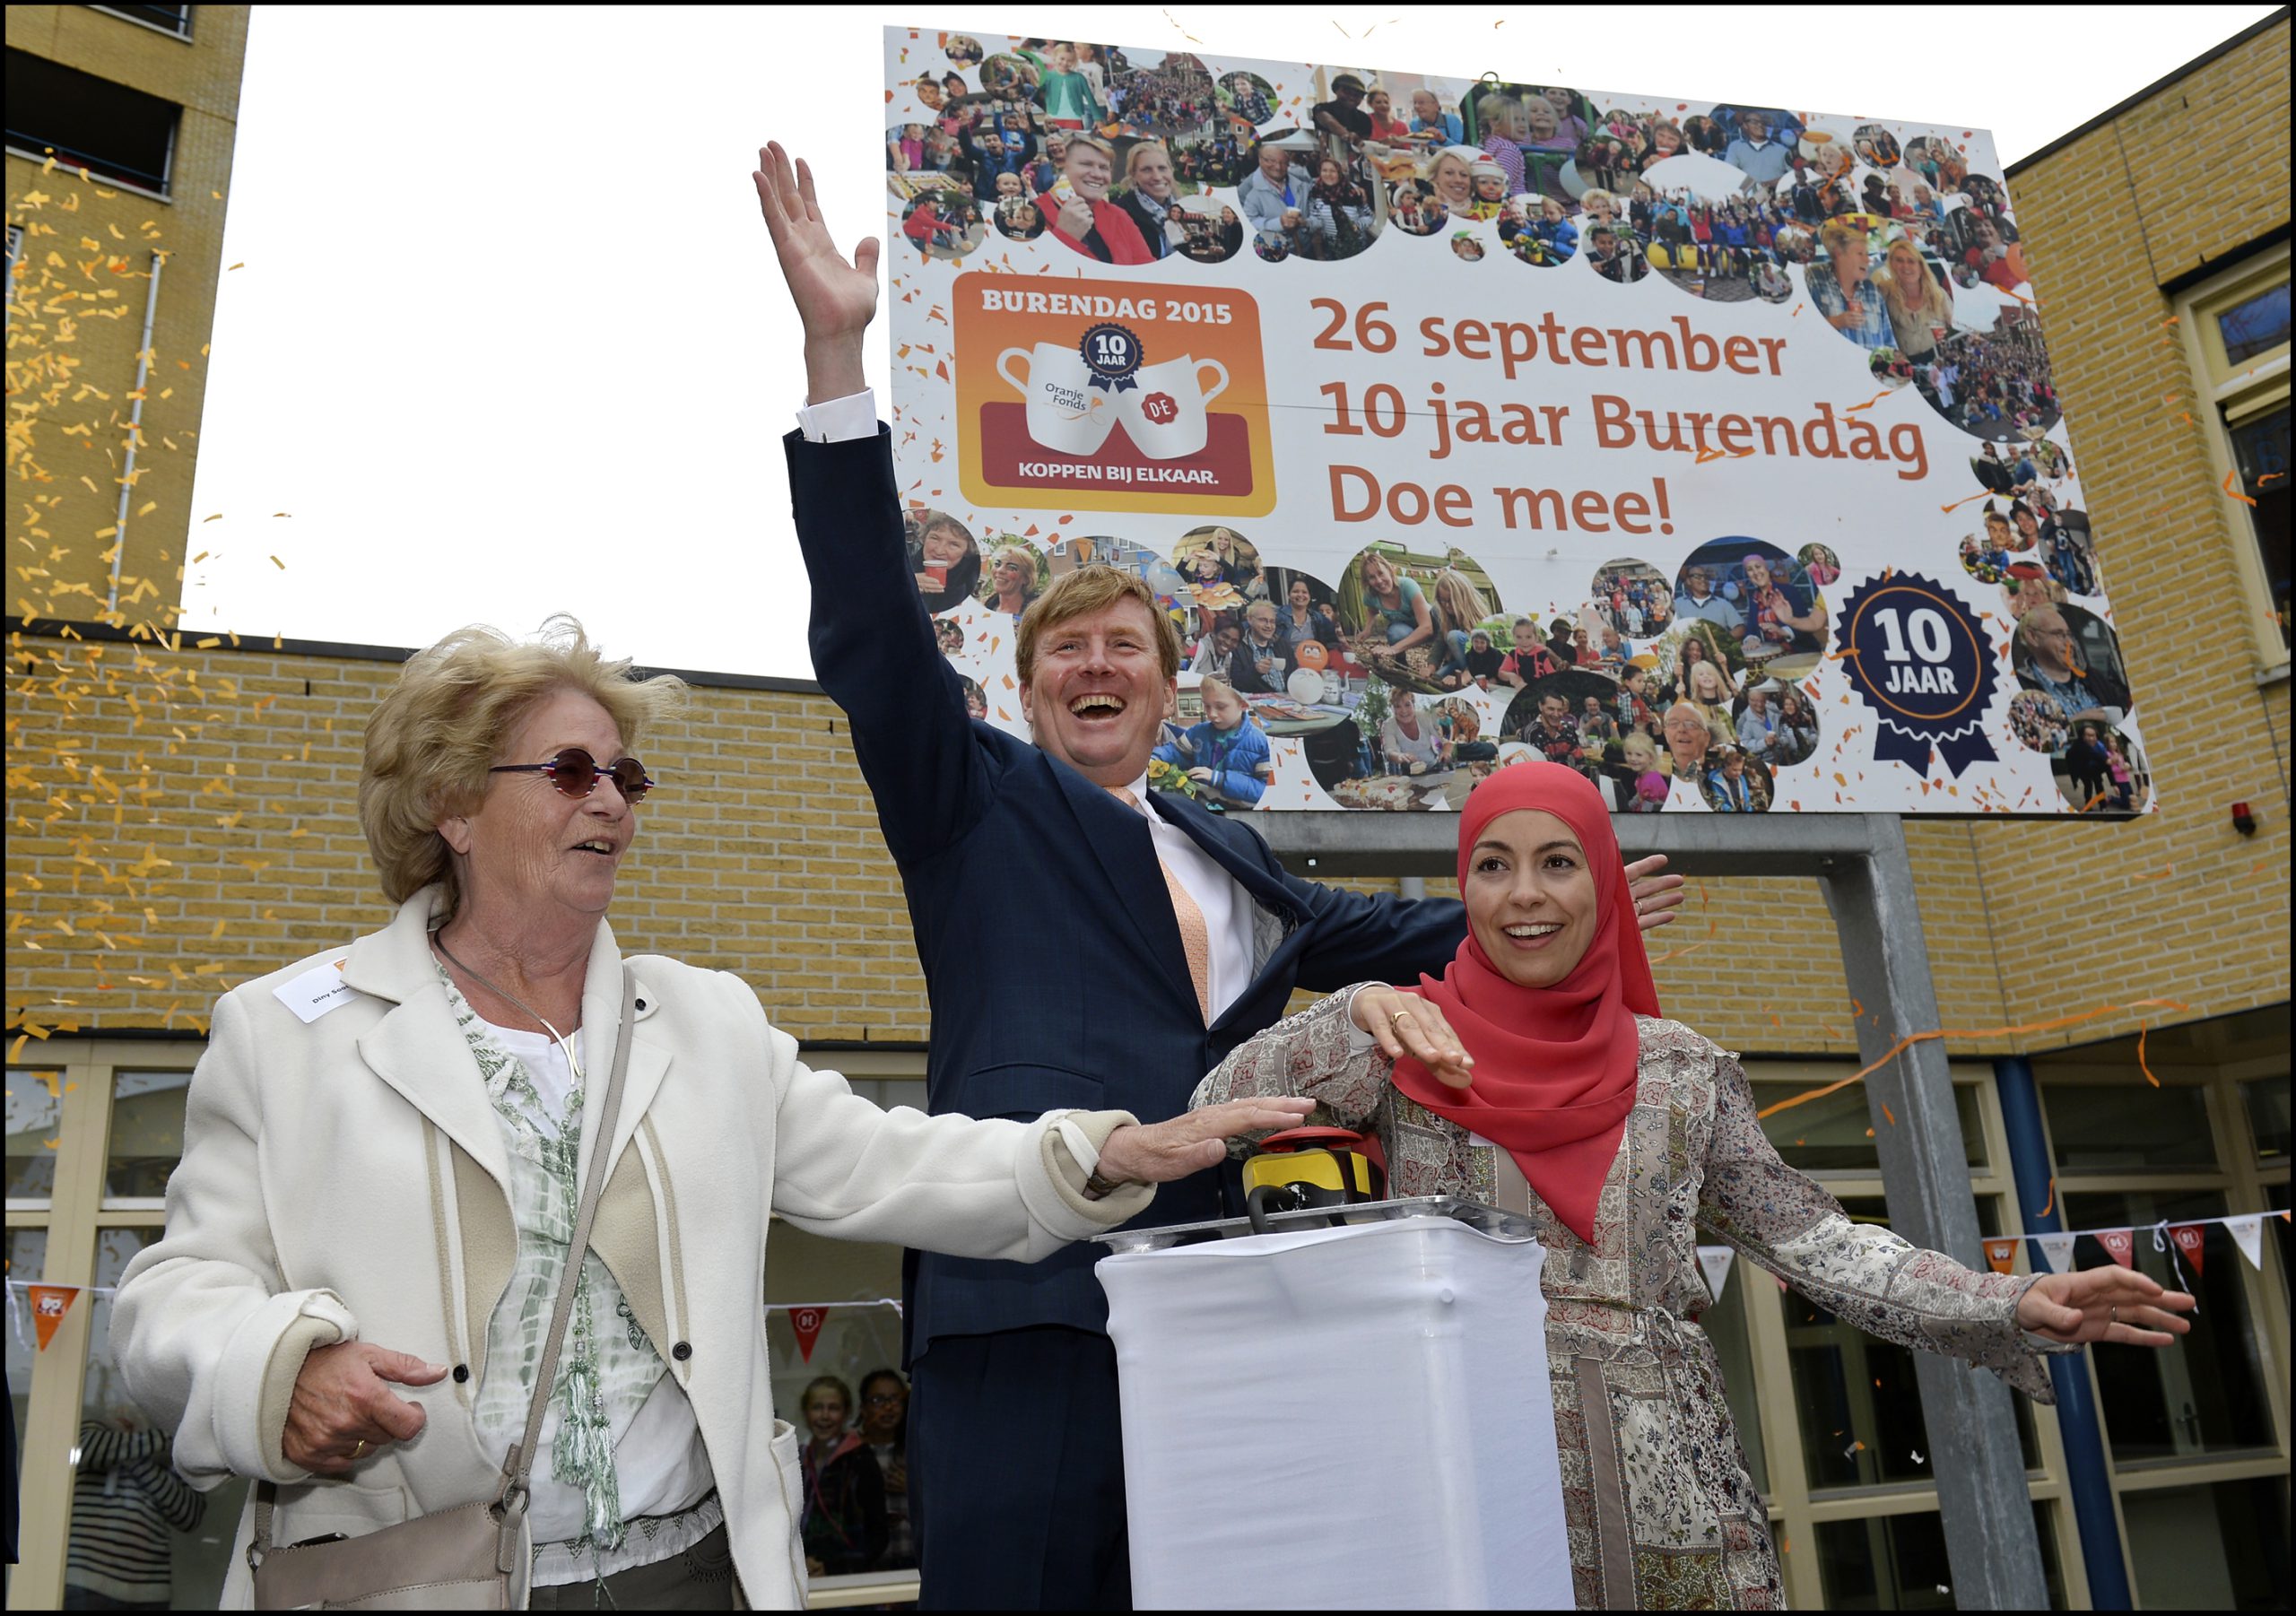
(1555, 1071)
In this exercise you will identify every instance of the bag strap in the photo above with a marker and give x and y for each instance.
(511, 1501)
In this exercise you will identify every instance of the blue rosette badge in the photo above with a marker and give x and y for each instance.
(1111, 354)
(1920, 661)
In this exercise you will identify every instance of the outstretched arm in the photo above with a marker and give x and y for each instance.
(871, 642)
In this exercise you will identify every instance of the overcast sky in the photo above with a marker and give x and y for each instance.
(508, 338)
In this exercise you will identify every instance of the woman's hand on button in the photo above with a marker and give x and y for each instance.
(1159, 1152)
(343, 1408)
(1404, 1023)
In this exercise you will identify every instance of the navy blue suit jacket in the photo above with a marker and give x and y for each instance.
(1051, 956)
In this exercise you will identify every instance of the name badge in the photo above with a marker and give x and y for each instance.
(317, 991)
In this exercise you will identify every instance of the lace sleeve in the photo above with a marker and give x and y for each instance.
(1868, 1277)
(1317, 1053)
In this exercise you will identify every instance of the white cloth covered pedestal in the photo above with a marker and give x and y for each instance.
(1342, 1418)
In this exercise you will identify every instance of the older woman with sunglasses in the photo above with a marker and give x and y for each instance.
(386, 1144)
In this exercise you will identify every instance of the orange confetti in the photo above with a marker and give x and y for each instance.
(1912, 1038)
(2235, 492)
(2140, 1067)
(2050, 1202)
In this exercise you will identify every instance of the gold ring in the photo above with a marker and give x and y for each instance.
(2112, 1314)
(361, 1448)
(1400, 1015)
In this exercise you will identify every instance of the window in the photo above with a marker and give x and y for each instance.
(2260, 456)
(1897, 1562)
(168, 19)
(146, 1138)
(2256, 326)
(113, 132)
(2235, 329)
(35, 1129)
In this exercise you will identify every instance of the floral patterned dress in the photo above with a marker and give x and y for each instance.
(1660, 1510)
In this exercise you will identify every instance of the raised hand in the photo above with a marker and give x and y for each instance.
(836, 298)
(1403, 1023)
(1656, 897)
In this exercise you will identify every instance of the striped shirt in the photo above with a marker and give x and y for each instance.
(126, 1500)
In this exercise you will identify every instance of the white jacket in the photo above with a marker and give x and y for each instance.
(346, 1179)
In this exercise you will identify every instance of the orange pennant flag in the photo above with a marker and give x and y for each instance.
(2118, 1245)
(1999, 1255)
(49, 1303)
(2188, 1243)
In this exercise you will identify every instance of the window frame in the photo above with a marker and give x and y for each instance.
(182, 35)
(2232, 394)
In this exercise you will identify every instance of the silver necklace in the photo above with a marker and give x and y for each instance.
(564, 1048)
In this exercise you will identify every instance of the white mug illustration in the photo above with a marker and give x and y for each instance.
(1165, 414)
(1066, 414)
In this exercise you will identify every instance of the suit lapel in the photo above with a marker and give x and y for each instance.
(649, 1062)
(1264, 890)
(1119, 840)
(417, 1049)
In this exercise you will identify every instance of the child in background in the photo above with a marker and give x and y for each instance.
(1227, 754)
(1483, 659)
(1489, 189)
(1651, 783)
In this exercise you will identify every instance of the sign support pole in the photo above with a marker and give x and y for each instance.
(1860, 861)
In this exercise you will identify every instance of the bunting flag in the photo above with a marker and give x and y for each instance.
(49, 1304)
(2001, 1256)
(2121, 1245)
(2247, 1234)
(2058, 1251)
(807, 1322)
(1714, 1262)
(2188, 1243)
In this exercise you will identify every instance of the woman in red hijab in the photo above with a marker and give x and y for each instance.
(1538, 1074)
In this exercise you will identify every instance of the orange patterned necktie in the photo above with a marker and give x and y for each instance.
(1195, 937)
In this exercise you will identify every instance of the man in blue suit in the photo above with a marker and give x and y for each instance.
(1085, 943)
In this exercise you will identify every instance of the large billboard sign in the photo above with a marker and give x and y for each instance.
(1710, 450)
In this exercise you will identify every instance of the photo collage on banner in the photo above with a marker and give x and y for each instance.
(1737, 482)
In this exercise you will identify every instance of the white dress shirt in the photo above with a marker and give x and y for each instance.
(1227, 906)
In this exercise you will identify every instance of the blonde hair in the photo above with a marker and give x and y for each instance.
(1459, 600)
(1080, 137)
(1934, 303)
(1132, 158)
(432, 739)
(1489, 105)
(1086, 593)
(1833, 235)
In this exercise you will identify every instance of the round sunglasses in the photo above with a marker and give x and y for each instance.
(576, 773)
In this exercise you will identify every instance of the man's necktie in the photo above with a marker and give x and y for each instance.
(1195, 937)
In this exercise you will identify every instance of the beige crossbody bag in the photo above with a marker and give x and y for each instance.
(456, 1560)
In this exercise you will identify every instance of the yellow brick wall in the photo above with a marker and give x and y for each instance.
(82, 287)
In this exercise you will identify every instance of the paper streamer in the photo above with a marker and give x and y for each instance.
(1714, 1262)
